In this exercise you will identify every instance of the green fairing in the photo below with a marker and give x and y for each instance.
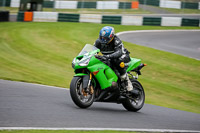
(133, 64)
(80, 74)
(103, 73)
(105, 79)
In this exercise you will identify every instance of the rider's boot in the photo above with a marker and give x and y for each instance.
(129, 85)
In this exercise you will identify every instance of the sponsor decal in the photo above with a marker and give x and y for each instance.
(103, 33)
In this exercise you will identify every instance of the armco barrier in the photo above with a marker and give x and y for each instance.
(62, 17)
(132, 20)
(151, 21)
(171, 21)
(91, 18)
(111, 20)
(45, 16)
(190, 22)
(86, 5)
(4, 16)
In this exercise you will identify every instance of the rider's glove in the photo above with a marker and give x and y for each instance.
(106, 56)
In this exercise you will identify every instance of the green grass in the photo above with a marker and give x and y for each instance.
(183, 11)
(12, 10)
(42, 53)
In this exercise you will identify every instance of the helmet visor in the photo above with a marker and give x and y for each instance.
(104, 39)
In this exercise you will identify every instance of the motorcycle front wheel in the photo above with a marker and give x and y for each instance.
(78, 95)
(136, 102)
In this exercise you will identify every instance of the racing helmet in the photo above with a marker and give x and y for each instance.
(106, 34)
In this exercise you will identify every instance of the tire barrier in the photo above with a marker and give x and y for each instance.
(20, 16)
(86, 5)
(125, 5)
(171, 21)
(4, 16)
(14, 3)
(45, 16)
(150, 2)
(132, 20)
(107, 5)
(62, 17)
(170, 4)
(111, 20)
(106, 19)
(48, 4)
(199, 5)
(66, 4)
(90, 18)
(189, 5)
(5, 3)
(190, 22)
(135, 5)
(152, 21)
(28, 16)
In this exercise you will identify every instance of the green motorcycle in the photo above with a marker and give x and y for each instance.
(96, 80)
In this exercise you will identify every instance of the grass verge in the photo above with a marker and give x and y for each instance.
(183, 11)
(42, 53)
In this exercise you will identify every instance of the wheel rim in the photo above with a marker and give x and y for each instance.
(85, 98)
(139, 100)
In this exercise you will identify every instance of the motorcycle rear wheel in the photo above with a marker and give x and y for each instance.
(81, 99)
(138, 102)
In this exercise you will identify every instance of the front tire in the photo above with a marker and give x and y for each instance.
(138, 102)
(81, 99)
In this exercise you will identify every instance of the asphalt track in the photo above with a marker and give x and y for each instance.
(32, 106)
(37, 106)
(183, 42)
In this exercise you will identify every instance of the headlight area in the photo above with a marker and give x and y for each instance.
(84, 62)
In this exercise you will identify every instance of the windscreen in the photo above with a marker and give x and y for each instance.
(87, 48)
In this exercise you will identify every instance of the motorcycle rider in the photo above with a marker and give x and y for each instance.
(112, 48)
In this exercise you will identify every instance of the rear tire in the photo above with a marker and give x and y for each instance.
(138, 102)
(76, 92)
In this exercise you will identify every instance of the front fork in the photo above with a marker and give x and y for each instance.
(87, 87)
(132, 76)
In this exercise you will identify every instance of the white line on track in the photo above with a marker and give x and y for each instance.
(35, 84)
(100, 129)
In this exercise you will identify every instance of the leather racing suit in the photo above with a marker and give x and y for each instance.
(117, 53)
